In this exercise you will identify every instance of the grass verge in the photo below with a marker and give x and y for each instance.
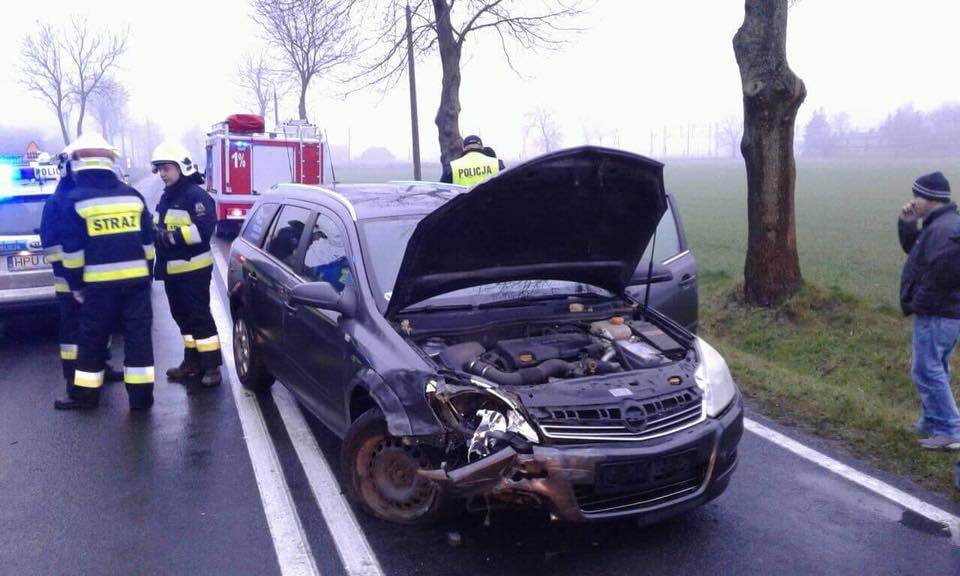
(828, 362)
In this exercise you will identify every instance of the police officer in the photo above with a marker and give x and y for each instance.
(474, 166)
(186, 218)
(107, 251)
(50, 237)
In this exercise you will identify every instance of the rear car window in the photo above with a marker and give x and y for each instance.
(258, 223)
(326, 257)
(286, 234)
(668, 239)
(20, 215)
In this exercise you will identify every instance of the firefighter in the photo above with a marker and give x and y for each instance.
(474, 166)
(107, 252)
(50, 236)
(186, 218)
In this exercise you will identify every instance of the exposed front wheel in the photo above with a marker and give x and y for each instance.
(381, 473)
(251, 370)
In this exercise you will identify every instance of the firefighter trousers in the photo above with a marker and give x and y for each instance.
(70, 334)
(189, 297)
(106, 305)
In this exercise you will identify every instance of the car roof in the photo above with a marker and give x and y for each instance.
(366, 201)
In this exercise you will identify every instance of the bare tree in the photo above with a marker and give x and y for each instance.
(772, 95)
(41, 72)
(444, 26)
(543, 130)
(260, 82)
(313, 36)
(108, 103)
(731, 132)
(93, 54)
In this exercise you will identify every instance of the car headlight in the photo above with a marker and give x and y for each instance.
(713, 377)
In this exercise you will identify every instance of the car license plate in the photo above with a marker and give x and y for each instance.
(21, 263)
(629, 475)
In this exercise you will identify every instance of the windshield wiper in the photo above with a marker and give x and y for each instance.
(532, 299)
(439, 308)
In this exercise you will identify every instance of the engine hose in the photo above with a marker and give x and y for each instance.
(524, 376)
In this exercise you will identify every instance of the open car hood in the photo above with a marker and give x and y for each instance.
(583, 214)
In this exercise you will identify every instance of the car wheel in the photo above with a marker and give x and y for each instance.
(251, 370)
(381, 474)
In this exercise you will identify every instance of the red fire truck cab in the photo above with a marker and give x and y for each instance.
(244, 160)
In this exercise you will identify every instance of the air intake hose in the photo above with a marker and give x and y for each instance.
(523, 377)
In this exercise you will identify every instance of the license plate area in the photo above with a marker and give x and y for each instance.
(25, 263)
(644, 473)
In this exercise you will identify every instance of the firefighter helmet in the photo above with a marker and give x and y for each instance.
(90, 151)
(173, 153)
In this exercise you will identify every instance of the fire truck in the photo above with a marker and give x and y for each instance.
(244, 161)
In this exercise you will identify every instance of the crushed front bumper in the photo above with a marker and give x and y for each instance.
(588, 482)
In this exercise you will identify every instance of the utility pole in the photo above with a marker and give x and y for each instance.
(415, 123)
(276, 110)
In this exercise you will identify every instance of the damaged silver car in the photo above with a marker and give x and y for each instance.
(479, 348)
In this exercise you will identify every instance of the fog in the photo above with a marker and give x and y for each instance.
(651, 76)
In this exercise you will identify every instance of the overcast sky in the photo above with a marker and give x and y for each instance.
(640, 65)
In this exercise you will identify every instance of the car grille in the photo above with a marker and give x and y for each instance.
(631, 420)
(593, 503)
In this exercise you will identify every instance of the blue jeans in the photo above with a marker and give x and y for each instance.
(934, 339)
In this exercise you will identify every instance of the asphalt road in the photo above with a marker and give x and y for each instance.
(175, 492)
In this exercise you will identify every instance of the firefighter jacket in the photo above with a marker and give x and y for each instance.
(188, 217)
(107, 232)
(51, 228)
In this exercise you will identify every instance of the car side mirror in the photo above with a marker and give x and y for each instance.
(660, 274)
(324, 296)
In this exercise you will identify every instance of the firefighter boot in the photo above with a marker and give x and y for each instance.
(183, 373)
(211, 378)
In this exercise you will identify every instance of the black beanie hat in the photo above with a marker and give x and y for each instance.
(932, 187)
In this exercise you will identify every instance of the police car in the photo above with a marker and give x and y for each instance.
(26, 280)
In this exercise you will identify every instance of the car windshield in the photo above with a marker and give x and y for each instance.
(20, 215)
(384, 241)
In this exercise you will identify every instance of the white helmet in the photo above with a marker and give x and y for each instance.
(90, 151)
(173, 153)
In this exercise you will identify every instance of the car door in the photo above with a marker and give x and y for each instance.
(678, 297)
(318, 347)
(272, 278)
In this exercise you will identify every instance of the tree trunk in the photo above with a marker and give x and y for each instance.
(304, 84)
(63, 126)
(772, 94)
(83, 110)
(448, 113)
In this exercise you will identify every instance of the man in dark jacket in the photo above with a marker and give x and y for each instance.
(930, 291)
(475, 165)
(186, 219)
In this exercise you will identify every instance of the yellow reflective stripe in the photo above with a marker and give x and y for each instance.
(68, 351)
(190, 234)
(108, 205)
(196, 263)
(88, 379)
(148, 251)
(91, 164)
(208, 344)
(60, 285)
(117, 271)
(73, 260)
(138, 375)
(189, 342)
(175, 218)
(53, 254)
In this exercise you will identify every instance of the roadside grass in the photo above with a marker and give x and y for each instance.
(831, 363)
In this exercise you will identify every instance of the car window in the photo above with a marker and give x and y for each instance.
(668, 239)
(326, 257)
(257, 223)
(20, 216)
(286, 234)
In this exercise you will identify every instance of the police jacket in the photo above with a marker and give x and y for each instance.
(471, 169)
(107, 233)
(930, 281)
(51, 228)
(188, 216)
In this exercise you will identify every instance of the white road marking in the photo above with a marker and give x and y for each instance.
(356, 553)
(870, 483)
(352, 545)
(289, 539)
